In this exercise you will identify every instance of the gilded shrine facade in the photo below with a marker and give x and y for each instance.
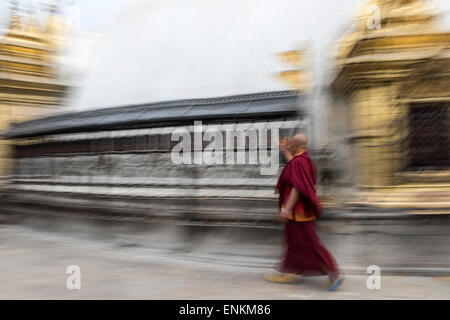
(395, 80)
(29, 83)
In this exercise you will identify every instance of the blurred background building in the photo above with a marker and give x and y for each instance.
(375, 109)
(30, 83)
(111, 155)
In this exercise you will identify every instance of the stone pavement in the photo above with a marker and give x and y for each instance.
(33, 266)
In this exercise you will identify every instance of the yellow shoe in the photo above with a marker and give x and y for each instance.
(281, 277)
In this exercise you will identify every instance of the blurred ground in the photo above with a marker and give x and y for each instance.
(33, 266)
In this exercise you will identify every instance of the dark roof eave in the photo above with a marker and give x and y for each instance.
(270, 104)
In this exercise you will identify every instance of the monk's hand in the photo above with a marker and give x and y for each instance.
(282, 219)
(283, 215)
(283, 144)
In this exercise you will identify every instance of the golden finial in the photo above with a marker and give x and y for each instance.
(32, 26)
(298, 76)
(55, 28)
(54, 25)
(15, 23)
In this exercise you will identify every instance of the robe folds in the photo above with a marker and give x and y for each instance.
(299, 173)
(304, 253)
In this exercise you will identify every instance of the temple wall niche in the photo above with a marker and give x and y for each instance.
(376, 133)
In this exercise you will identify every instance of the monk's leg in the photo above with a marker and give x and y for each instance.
(326, 260)
(286, 270)
(290, 264)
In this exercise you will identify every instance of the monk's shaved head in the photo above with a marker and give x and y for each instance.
(298, 142)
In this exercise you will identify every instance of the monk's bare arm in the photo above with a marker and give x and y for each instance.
(287, 155)
(284, 149)
(294, 195)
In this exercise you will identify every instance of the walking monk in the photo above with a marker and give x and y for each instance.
(299, 208)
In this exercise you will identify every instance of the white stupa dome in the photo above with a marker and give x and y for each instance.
(175, 49)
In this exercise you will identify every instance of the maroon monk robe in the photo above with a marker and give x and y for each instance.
(304, 253)
(299, 173)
